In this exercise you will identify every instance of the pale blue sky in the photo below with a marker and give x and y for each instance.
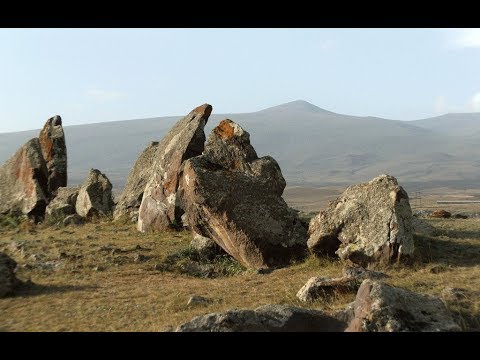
(96, 75)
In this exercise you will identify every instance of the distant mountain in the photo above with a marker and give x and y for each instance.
(459, 124)
(313, 146)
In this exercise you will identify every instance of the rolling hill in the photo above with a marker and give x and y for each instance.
(313, 146)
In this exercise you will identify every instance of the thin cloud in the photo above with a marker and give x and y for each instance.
(475, 102)
(465, 38)
(105, 95)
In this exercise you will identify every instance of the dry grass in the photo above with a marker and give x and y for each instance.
(85, 278)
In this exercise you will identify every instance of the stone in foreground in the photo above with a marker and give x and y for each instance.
(8, 281)
(369, 222)
(131, 197)
(267, 318)
(235, 198)
(318, 287)
(159, 208)
(95, 195)
(379, 307)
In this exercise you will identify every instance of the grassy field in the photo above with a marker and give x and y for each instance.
(106, 276)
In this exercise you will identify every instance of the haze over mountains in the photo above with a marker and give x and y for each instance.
(313, 146)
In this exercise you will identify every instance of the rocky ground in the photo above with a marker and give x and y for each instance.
(105, 276)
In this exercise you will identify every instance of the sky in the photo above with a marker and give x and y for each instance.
(97, 75)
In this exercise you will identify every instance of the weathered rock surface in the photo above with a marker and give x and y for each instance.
(54, 151)
(8, 281)
(160, 205)
(31, 177)
(268, 318)
(234, 198)
(205, 247)
(131, 197)
(23, 182)
(441, 214)
(95, 195)
(369, 222)
(64, 203)
(384, 308)
(318, 287)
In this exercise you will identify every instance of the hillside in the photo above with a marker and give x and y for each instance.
(313, 146)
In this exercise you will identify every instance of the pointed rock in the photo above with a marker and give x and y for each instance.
(369, 222)
(23, 182)
(234, 198)
(54, 151)
(159, 208)
(95, 195)
(131, 197)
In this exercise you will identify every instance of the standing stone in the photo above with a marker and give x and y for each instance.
(64, 203)
(132, 194)
(385, 308)
(159, 208)
(95, 195)
(234, 198)
(23, 182)
(31, 177)
(8, 281)
(369, 222)
(54, 151)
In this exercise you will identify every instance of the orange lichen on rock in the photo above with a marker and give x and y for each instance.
(225, 130)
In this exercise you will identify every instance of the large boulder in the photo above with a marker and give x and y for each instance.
(131, 197)
(23, 182)
(234, 198)
(385, 308)
(95, 195)
(31, 177)
(369, 222)
(8, 281)
(54, 151)
(267, 318)
(64, 203)
(160, 207)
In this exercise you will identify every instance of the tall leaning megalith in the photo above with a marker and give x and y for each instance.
(160, 207)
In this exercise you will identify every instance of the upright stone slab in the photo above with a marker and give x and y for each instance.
(160, 207)
(132, 195)
(95, 195)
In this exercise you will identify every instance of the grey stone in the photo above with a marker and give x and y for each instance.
(131, 197)
(160, 206)
(234, 198)
(205, 247)
(369, 222)
(95, 195)
(267, 318)
(8, 280)
(318, 287)
(63, 204)
(198, 300)
(380, 307)
(74, 219)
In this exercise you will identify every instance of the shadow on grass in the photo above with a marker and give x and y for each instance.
(446, 251)
(30, 289)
